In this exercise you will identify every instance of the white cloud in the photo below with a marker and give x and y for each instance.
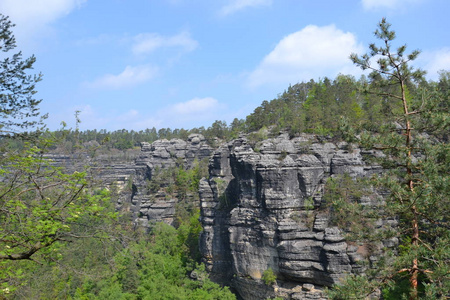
(30, 16)
(435, 61)
(195, 106)
(237, 5)
(133, 119)
(131, 76)
(387, 4)
(129, 115)
(194, 112)
(88, 116)
(188, 114)
(149, 42)
(308, 54)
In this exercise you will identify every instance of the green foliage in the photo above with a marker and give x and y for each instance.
(307, 107)
(123, 139)
(269, 277)
(309, 203)
(354, 287)
(40, 207)
(189, 234)
(60, 236)
(130, 265)
(177, 179)
(283, 155)
(414, 152)
(254, 138)
(154, 267)
(18, 108)
(343, 196)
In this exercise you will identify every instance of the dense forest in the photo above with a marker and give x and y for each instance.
(62, 238)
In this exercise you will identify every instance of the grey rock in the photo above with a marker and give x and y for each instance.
(163, 154)
(261, 210)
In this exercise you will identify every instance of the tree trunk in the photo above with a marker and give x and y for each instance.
(414, 271)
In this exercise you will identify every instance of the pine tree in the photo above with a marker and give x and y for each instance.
(415, 157)
(18, 108)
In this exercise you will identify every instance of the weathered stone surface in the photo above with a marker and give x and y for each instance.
(128, 174)
(261, 209)
(115, 171)
(163, 154)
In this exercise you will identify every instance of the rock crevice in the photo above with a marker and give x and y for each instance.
(260, 210)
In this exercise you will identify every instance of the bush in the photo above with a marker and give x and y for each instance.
(269, 277)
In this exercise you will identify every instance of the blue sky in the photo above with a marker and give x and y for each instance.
(138, 64)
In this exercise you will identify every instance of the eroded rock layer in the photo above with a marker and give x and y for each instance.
(260, 211)
(163, 154)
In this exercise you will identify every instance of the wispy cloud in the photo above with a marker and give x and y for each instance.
(103, 118)
(134, 119)
(434, 61)
(195, 106)
(237, 5)
(387, 4)
(195, 111)
(130, 77)
(309, 53)
(145, 43)
(31, 16)
(87, 115)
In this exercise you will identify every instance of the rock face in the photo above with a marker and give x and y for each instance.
(163, 154)
(260, 211)
(261, 208)
(118, 172)
(128, 175)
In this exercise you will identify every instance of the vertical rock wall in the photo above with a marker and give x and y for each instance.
(163, 154)
(260, 210)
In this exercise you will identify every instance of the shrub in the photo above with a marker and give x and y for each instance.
(269, 277)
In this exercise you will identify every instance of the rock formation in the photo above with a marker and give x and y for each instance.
(163, 154)
(260, 210)
(128, 175)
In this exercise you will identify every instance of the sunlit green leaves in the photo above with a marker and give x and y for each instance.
(39, 207)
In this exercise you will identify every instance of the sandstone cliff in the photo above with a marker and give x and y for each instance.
(260, 210)
(128, 174)
(163, 154)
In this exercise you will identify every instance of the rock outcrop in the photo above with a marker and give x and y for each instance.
(260, 210)
(163, 154)
(117, 172)
(128, 174)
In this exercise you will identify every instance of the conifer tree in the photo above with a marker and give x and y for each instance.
(18, 108)
(415, 158)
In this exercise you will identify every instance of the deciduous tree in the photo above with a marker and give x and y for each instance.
(40, 205)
